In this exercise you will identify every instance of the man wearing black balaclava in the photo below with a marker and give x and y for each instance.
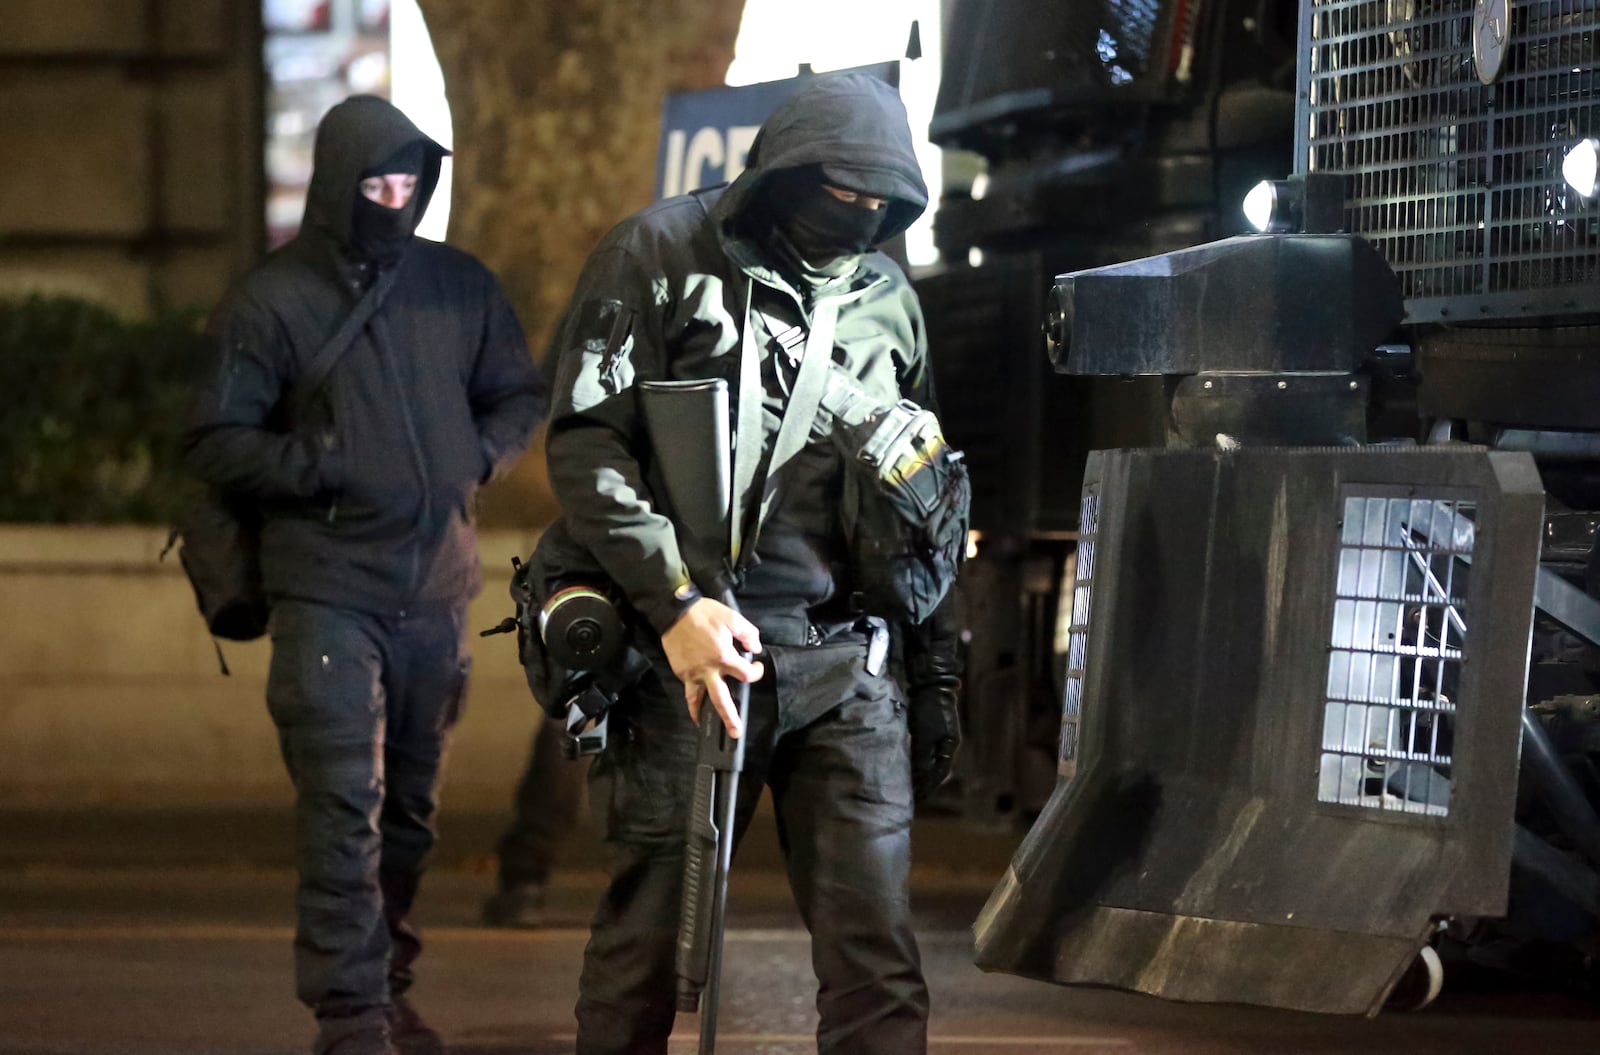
(670, 293)
(365, 489)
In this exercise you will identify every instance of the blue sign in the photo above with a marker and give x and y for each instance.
(705, 136)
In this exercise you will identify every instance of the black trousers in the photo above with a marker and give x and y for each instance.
(364, 707)
(547, 807)
(830, 741)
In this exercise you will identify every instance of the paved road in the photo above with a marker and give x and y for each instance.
(139, 935)
(174, 962)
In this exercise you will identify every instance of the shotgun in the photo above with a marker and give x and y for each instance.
(687, 422)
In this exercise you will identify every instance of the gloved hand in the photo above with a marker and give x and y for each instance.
(935, 735)
(933, 687)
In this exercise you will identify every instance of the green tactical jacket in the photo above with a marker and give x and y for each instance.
(663, 297)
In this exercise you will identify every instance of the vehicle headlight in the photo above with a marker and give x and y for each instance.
(1581, 167)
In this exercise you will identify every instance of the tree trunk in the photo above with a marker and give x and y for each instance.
(556, 106)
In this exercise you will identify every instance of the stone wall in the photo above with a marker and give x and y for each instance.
(132, 148)
(110, 691)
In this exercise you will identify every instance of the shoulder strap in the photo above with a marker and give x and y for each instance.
(747, 429)
(328, 356)
(798, 415)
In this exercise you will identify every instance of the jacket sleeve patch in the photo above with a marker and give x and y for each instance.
(604, 336)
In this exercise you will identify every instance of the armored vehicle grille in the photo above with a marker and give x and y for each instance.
(1459, 182)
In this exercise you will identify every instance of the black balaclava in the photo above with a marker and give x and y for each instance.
(814, 234)
(378, 233)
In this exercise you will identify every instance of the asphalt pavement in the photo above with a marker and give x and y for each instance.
(132, 934)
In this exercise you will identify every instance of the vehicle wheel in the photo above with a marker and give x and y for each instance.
(1421, 983)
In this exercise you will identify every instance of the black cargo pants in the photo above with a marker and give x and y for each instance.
(364, 707)
(830, 741)
(546, 810)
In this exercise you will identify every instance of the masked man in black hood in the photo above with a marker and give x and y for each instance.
(669, 294)
(368, 553)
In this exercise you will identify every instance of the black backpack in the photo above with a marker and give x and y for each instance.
(221, 556)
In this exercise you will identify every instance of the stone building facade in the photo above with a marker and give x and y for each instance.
(130, 142)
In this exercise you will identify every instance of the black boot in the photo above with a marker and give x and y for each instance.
(364, 1033)
(412, 1036)
(520, 906)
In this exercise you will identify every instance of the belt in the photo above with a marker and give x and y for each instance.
(798, 631)
(801, 632)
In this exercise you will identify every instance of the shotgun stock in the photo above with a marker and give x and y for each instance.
(687, 422)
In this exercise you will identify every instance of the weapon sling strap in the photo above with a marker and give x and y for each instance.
(798, 415)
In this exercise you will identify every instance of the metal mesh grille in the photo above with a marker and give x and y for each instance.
(1399, 623)
(1078, 629)
(1127, 38)
(1023, 60)
(1459, 183)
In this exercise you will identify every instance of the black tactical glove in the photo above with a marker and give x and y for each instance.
(933, 687)
(935, 736)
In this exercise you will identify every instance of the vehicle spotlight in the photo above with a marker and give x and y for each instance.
(1581, 167)
(1263, 210)
(1308, 203)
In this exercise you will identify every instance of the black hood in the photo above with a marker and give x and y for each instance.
(852, 125)
(355, 135)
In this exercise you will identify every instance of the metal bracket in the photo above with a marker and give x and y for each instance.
(1552, 594)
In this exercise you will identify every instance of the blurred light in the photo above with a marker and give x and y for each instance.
(1581, 167)
(417, 89)
(973, 538)
(369, 73)
(1258, 205)
(974, 257)
(980, 186)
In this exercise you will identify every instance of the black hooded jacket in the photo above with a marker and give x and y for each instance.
(368, 499)
(679, 273)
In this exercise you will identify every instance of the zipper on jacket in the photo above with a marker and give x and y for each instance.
(386, 354)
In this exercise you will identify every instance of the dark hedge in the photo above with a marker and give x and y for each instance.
(91, 408)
